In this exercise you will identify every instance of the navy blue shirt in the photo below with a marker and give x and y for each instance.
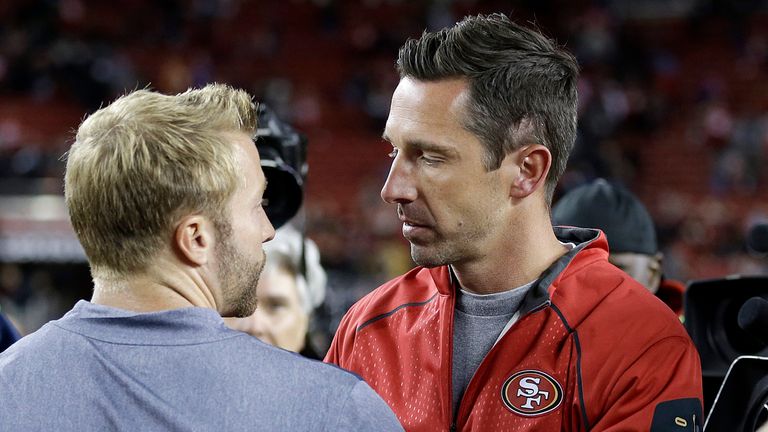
(8, 334)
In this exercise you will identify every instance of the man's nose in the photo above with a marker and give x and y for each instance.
(268, 230)
(257, 326)
(400, 186)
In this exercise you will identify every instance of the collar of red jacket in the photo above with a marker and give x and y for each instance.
(590, 245)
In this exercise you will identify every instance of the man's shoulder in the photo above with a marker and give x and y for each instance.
(600, 297)
(31, 345)
(311, 393)
(279, 362)
(417, 287)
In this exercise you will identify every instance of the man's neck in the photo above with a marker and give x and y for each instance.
(153, 291)
(512, 264)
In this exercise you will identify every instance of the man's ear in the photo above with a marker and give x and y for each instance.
(656, 269)
(533, 162)
(194, 239)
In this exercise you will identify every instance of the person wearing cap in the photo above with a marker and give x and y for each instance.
(292, 285)
(630, 231)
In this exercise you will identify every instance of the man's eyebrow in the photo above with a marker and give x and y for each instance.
(426, 146)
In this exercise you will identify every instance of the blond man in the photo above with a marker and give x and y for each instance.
(165, 195)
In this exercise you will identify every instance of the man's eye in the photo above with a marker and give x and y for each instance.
(275, 304)
(430, 161)
(393, 153)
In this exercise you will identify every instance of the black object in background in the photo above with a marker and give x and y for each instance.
(711, 317)
(753, 318)
(283, 153)
(757, 238)
(740, 404)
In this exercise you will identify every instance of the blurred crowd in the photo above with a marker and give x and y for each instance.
(673, 104)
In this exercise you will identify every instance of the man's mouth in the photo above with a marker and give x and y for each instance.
(415, 230)
(410, 221)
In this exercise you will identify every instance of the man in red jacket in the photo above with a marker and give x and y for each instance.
(507, 323)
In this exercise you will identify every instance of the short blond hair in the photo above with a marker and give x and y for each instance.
(145, 160)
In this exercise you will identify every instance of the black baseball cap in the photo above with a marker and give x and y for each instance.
(613, 209)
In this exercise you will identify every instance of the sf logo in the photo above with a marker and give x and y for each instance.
(531, 393)
(529, 390)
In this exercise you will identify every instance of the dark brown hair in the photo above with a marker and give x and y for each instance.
(522, 85)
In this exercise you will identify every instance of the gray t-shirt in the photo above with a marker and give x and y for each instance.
(478, 322)
(101, 368)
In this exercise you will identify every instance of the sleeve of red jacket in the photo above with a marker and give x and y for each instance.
(660, 391)
(342, 343)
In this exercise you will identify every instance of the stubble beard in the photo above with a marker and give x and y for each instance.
(431, 256)
(443, 251)
(238, 277)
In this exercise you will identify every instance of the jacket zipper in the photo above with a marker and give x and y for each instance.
(450, 364)
(459, 411)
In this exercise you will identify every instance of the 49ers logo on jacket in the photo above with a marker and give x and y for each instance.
(531, 393)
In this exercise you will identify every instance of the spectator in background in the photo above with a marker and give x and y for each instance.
(291, 287)
(630, 231)
(166, 196)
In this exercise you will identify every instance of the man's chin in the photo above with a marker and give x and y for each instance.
(243, 309)
(426, 256)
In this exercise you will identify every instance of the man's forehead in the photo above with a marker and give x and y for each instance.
(445, 95)
(251, 174)
(426, 105)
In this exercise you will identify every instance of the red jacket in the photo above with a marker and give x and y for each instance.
(591, 350)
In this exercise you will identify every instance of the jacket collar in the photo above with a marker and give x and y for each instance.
(590, 241)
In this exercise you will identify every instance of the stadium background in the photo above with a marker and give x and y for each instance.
(673, 104)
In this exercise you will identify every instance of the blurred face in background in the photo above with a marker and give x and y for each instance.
(280, 319)
(645, 269)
